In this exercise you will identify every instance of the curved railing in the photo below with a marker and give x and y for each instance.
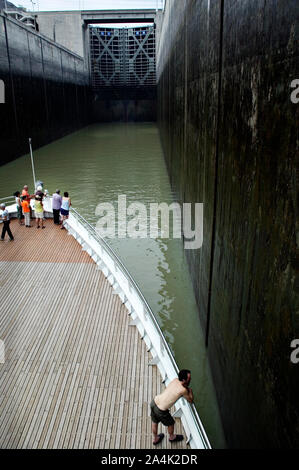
(147, 310)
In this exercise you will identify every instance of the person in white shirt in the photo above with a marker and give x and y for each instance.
(6, 223)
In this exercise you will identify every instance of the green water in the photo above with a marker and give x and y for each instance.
(96, 165)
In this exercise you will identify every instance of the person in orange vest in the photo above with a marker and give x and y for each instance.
(26, 209)
(25, 192)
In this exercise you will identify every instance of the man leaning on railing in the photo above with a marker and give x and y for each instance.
(178, 388)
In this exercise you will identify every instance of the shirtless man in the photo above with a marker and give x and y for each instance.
(162, 403)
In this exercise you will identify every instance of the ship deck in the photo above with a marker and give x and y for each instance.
(75, 375)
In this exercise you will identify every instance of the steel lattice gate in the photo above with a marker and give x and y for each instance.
(123, 57)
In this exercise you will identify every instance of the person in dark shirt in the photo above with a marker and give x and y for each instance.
(56, 206)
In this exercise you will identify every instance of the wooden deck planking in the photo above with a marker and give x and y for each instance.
(76, 374)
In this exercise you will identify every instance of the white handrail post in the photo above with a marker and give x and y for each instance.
(32, 163)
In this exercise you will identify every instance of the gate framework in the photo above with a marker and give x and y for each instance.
(123, 57)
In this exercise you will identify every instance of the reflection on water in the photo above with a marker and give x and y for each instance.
(96, 165)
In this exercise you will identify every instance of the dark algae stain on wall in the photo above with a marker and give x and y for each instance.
(230, 133)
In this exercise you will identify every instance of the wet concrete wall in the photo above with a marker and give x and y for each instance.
(124, 111)
(46, 86)
(65, 28)
(125, 104)
(230, 132)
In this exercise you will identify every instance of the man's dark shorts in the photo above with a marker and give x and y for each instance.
(158, 415)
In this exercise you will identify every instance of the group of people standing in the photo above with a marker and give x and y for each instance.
(24, 210)
(60, 205)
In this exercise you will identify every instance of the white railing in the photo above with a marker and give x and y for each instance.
(7, 200)
(141, 316)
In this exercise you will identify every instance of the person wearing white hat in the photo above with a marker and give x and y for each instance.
(39, 192)
(6, 223)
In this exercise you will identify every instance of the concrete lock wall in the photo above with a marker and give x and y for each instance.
(137, 110)
(125, 104)
(229, 132)
(71, 30)
(46, 88)
(65, 28)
